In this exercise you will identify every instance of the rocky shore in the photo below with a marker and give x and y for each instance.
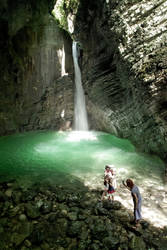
(46, 217)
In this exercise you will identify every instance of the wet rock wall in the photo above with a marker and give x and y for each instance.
(36, 73)
(124, 69)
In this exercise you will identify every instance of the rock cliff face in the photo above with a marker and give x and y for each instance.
(36, 87)
(124, 69)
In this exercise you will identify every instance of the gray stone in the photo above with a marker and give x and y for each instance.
(22, 217)
(32, 211)
(137, 243)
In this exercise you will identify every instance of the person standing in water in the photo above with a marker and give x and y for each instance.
(111, 190)
(137, 200)
(111, 172)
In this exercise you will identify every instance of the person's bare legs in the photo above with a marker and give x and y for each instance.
(103, 195)
(137, 223)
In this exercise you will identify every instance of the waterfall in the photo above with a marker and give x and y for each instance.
(80, 114)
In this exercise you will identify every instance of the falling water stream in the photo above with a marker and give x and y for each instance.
(77, 159)
(80, 114)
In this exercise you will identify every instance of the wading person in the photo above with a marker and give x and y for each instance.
(111, 172)
(108, 189)
(111, 190)
(137, 200)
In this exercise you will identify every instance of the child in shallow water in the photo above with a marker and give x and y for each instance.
(108, 189)
(111, 190)
(110, 171)
(107, 171)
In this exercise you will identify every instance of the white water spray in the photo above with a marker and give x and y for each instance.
(80, 114)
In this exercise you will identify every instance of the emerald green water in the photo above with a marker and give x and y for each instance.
(77, 159)
(51, 154)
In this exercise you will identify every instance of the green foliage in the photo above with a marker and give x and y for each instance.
(62, 9)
